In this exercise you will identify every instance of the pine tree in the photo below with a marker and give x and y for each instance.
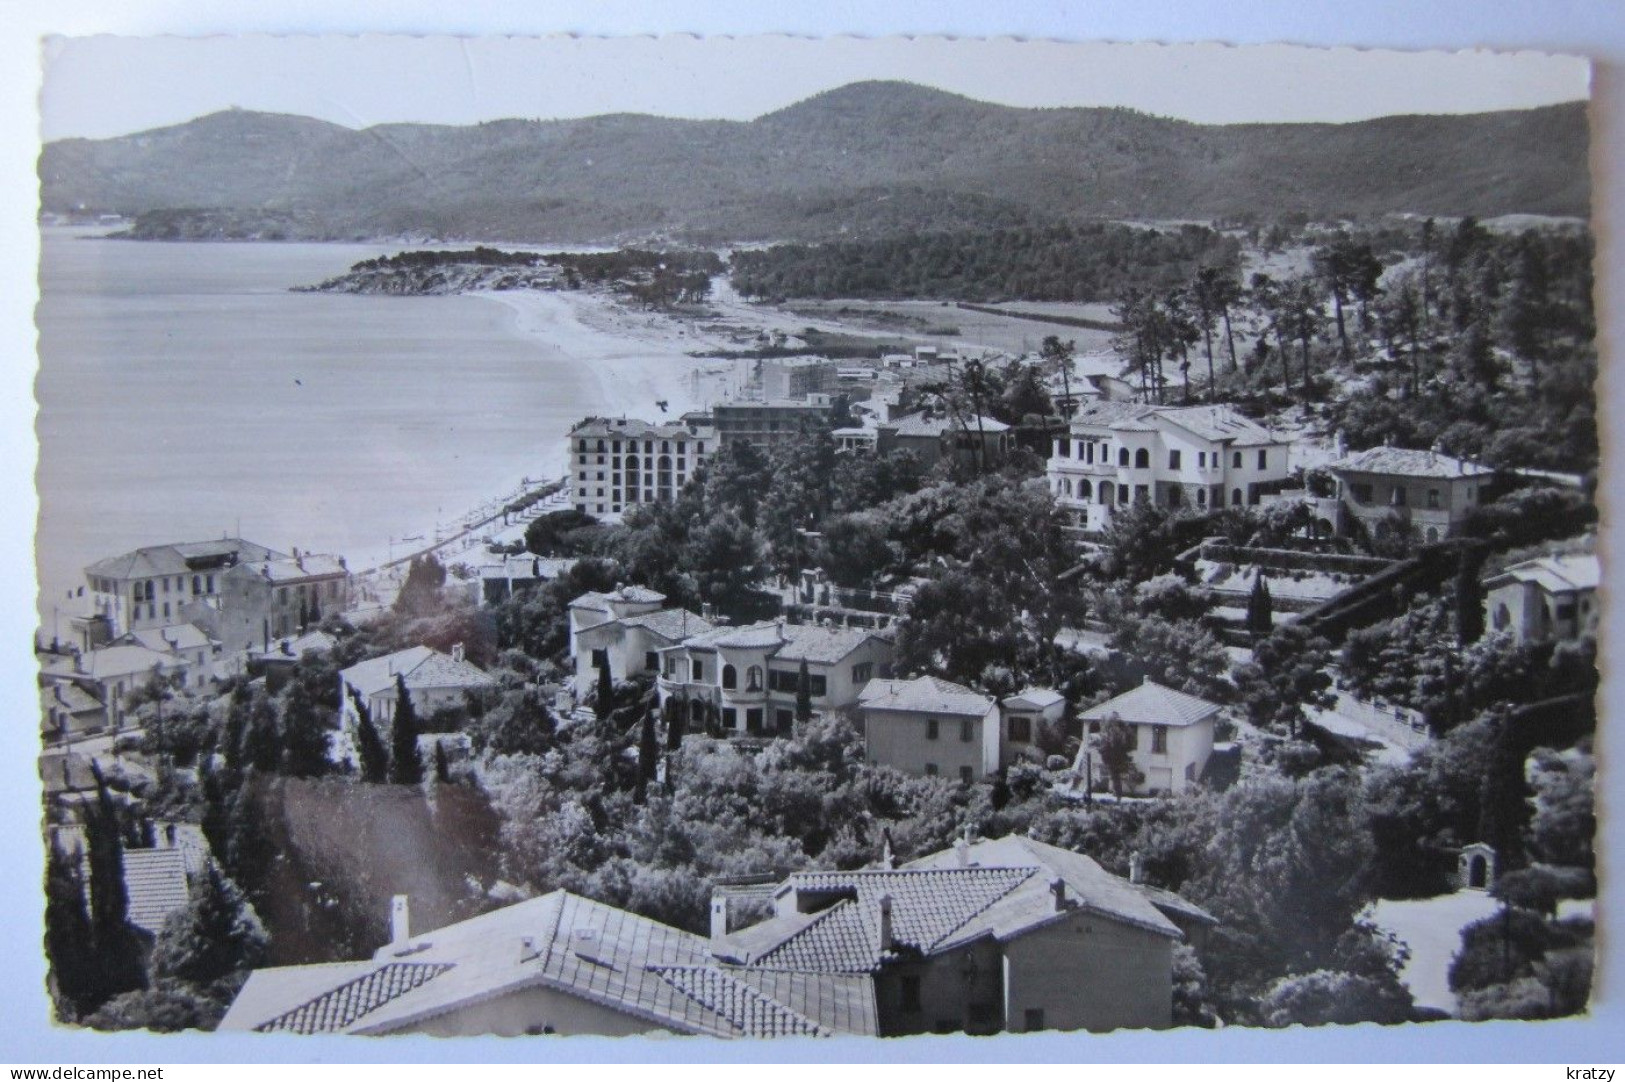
(304, 734)
(68, 945)
(216, 935)
(405, 766)
(117, 945)
(442, 767)
(803, 694)
(369, 747)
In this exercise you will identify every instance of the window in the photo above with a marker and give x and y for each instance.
(1433, 499)
(967, 731)
(1201, 497)
(1142, 459)
(1159, 740)
(931, 729)
(1122, 456)
(1021, 729)
(166, 610)
(863, 672)
(1033, 1019)
(1263, 459)
(966, 775)
(753, 720)
(651, 660)
(908, 994)
(730, 678)
(730, 718)
(1396, 496)
(1361, 491)
(1235, 461)
(1173, 496)
(698, 668)
(930, 770)
(784, 721)
(1173, 460)
(753, 678)
(1142, 493)
(1201, 460)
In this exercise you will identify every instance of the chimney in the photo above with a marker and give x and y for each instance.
(719, 915)
(1136, 869)
(400, 920)
(457, 651)
(962, 852)
(888, 859)
(1057, 887)
(884, 904)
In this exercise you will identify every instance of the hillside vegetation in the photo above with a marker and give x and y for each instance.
(864, 160)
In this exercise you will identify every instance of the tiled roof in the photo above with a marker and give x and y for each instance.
(637, 595)
(750, 637)
(155, 880)
(1032, 904)
(1110, 414)
(421, 666)
(673, 625)
(1172, 904)
(572, 945)
(1555, 574)
(749, 1012)
(296, 646)
(917, 424)
(923, 694)
(1403, 462)
(817, 644)
(66, 695)
(928, 908)
(172, 637)
(111, 662)
(1218, 424)
(629, 428)
(172, 559)
(1152, 704)
(288, 569)
(336, 1010)
(1035, 698)
(527, 566)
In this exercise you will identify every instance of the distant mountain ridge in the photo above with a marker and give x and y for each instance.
(861, 160)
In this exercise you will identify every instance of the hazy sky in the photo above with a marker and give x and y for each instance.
(108, 85)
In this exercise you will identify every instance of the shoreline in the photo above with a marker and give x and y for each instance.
(634, 359)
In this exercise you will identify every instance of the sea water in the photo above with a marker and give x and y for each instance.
(184, 393)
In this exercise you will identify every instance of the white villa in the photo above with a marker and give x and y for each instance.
(1199, 456)
(1173, 735)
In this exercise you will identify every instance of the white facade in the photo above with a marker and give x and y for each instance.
(1196, 456)
(1173, 737)
(617, 463)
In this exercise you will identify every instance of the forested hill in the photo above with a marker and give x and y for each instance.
(867, 159)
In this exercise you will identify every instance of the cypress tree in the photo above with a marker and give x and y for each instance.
(235, 734)
(648, 757)
(405, 767)
(262, 746)
(1469, 596)
(116, 943)
(1260, 607)
(606, 692)
(304, 734)
(374, 756)
(442, 768)
(68, 944)
(676, 720)
(803, 694)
